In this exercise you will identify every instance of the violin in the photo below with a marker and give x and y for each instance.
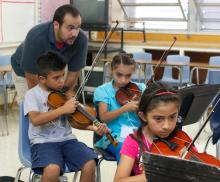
(131, 90)
(125, 94)
(82, 117)
(175, 145)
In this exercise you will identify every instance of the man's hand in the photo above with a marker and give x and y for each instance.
(69, 94)
(31, 79)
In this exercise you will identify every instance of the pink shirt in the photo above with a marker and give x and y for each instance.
(131, 148)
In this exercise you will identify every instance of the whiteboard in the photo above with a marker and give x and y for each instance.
(17, 17)
(48, 8)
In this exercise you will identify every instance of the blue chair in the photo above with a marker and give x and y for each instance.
(5, 84)
(23, 145)
(213, 75)
(148, 69)
(102, 155)
(5, 60)
(24, 148)
(184, 70)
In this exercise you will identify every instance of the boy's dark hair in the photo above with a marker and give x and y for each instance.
(63, 10)
(50, 61)
(122, 58)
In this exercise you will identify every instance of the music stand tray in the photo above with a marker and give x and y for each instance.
(160, 168)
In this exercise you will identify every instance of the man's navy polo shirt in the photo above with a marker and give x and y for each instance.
(39, 40)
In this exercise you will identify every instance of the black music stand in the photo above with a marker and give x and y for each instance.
(195, 101)
(160, 168)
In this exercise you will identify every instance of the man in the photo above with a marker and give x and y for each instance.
(63, 35)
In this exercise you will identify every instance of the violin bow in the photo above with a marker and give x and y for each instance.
(161, 60)
(202, 127)
(82, 86)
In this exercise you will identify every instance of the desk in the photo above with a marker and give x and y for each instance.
(201, 66)
(5, 69)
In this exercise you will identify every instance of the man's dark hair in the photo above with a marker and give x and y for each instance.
(50, 61)
(63, 10)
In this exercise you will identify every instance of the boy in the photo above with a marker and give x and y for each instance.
(52, 143)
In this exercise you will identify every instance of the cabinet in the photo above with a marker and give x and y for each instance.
(94, 49)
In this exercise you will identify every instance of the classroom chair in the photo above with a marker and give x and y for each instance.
(183, 70)
(213, 75)
(145, 74)
(24, 148)
(102, 155)
(107, 75)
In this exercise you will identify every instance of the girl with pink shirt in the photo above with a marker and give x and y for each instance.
(158, 110)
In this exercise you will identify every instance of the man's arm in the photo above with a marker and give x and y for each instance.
(71, 79)
(32, 80)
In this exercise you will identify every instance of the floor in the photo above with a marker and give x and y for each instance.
(9, 161)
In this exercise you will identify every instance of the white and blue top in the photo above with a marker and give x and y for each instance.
(57, 130)
(122, 125)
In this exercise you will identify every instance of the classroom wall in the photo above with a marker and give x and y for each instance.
(16, 18)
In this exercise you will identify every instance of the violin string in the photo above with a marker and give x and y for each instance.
(160, 152)
(80, 89)
(181, 139)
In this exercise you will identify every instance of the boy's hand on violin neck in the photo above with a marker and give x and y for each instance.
(70, 106)
(101, 129)
(131, 106)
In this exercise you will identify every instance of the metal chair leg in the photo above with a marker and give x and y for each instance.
(19, 171)
(13, 100)
(31, 176)
(75, 176)
(5, 124)
(83, 97)
(2, 126)
(98, 170)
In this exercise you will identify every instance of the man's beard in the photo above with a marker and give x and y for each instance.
(68, 41)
